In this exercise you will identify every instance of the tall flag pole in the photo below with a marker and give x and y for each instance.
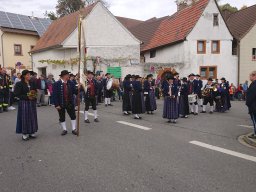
(79, 71)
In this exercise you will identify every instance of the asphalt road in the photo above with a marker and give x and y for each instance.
(116, 157)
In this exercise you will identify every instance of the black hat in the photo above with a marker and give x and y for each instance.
(176, 73)
(128, 76)
(137, 77)
(192, 75)
(32, 73)
(149, 76)
(170, 78)
(185, 79)
(107, 74)
(223, 79)
(198, 75)
(90, 72)
(25, 72)
(210, 79)
(64, 72)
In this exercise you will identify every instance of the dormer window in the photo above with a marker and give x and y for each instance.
(216, 19)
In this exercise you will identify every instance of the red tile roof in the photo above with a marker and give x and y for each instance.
(60, 29)
(168, 30)
(241, 22)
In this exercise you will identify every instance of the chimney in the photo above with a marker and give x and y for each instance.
(182, 4)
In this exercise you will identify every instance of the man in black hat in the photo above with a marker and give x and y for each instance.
(208, 95)
(108, 91)
(225, 97)
(63, 93)
(192, 88)
(127, 84)
(90, 97)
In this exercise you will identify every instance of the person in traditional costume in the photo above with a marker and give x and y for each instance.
(225, 85)
(192, 89)
(138, 104)
(90, 97)
(63, 93)
(219, 98)
(184, 104)
(199, 89)
(108, 91)
(26, 92)
(149, 92)
(171, 106)
(208, 95)
(127, 97)
(4, 90)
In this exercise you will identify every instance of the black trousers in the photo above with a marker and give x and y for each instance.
(208, 100)
(4, 98)
(70, 110)
(90, 101)
(109, 93)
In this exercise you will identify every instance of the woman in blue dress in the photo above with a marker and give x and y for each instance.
(171, 106)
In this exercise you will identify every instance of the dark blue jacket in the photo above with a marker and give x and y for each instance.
(87, 94)
(127, 86)
(58, 93)
(147, 86)
(194, 85)
(198, 86)
(251, 98)
(137, 87)
(175, 90)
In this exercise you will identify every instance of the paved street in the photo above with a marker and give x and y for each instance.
(122, 154)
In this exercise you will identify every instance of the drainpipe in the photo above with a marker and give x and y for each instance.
(238, 75)
(2, 43)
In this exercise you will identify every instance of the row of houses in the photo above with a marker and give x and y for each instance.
(198, 38)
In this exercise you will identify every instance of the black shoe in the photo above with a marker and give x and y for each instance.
(87, 121)
(64, 132)
(96, 120)
(203, 112)
(74, 132)
(211, 112)
(5, 110)
(195, 113)
(106, 105)
(137, 118)
(126, 114)
(110, 105)
(148, 113)
(170, 121)
(129, 113)
(1, 110)
(38, 105)
(32, 137)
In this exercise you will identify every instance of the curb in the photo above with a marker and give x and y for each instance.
(248, 141)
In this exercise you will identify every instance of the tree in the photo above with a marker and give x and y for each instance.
(105, 3)
(50, 15)
(228, 7)
(66, 7)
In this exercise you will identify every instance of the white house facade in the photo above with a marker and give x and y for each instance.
(108, 44)
(207, 49)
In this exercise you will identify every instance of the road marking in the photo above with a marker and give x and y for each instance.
(134, 125)
(246, 126)
(90, 114)
(225, 151)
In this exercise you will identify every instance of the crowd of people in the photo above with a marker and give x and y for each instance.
(182, 97)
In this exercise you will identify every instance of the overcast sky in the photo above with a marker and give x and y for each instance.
(138, 9)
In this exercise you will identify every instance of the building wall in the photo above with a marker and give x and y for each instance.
(247, 65)
(106, 38)
(184, 55)
(55, 54)
(9, 39)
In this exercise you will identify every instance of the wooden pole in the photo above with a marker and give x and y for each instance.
(79, 70)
